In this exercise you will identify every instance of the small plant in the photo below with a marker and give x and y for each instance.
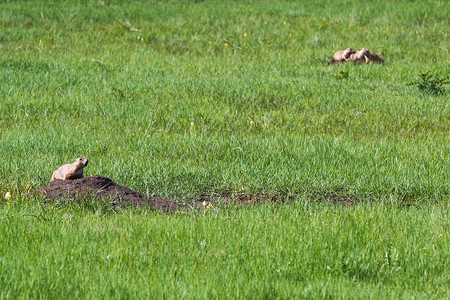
(430, 83)
(206, 207)
(341, 75)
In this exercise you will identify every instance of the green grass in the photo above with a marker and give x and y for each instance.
(181, 98)
(268, 251)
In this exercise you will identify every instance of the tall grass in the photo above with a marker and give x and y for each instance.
(139, 86)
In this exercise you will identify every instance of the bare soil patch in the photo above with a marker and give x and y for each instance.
(253, 199)
(99, 187)
(240, 199)
(337, 199)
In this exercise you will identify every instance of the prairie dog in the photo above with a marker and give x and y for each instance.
(71, 171)
(342, 55)
(360, 56)
(372, 57)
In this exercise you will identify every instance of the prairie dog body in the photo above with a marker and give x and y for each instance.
(372, 57)
(342, 55)
(71, 171)
(360, 56)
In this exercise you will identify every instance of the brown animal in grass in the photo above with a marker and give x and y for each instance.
(372, 57)
(342, 55)
(360, 56)
(71, 171)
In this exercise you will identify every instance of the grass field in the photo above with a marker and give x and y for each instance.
(177, 99)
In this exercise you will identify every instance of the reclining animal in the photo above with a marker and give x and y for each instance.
(342, 55)
(360, 56)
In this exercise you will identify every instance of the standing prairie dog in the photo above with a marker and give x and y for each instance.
(342, 55)
(71, 171)
(360, 56)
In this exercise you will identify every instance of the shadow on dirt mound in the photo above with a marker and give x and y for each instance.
(103, 188)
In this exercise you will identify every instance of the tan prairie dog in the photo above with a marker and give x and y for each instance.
(372, 57)
(360, 56)
(342, 55)
(71, 171)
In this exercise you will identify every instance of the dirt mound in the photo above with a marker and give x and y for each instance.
(102, 188)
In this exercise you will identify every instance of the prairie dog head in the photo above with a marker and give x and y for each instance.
(347, 52)
(364, 51)
(81, 162)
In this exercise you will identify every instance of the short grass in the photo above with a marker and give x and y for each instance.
(181, 98)
(269, 251)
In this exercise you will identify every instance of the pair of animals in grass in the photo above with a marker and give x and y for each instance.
(362, 55)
